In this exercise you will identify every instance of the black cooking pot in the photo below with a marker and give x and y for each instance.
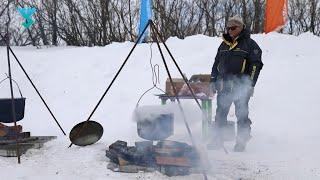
(157, 127)
(6, 107)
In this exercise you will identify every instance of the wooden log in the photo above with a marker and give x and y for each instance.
(174, 161)
(8, 147)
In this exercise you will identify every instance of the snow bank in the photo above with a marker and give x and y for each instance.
(284, 109)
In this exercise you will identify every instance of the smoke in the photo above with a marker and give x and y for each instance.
(151, 112)
(154, 122)
(239, 91)
(282, 135)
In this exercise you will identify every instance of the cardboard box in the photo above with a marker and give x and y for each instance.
(177, 82)
(199, 84)
(205, 78)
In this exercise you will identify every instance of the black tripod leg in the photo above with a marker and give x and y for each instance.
(204, 114)
(115, 77)
(178, 100)
(175, 62)
(12, 102)
(35, 88)
(171, 81)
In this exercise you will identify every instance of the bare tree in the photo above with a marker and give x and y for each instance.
(258, 16)
(100, 22)
(313, 13)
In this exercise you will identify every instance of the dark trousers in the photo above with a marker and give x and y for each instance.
(240, 96)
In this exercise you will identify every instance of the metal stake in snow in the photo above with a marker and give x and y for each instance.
(27, 13)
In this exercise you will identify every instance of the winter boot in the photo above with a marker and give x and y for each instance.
(243, 138)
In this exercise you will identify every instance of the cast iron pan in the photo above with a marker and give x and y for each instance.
(86, 133)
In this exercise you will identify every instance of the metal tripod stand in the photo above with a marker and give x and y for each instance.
(157, 38)
(6, 38)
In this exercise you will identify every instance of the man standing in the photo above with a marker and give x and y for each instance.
(234, 74)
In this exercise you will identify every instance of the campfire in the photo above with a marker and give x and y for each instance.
(155, 124)
(11, 135)
(171, 158)
(13, 141)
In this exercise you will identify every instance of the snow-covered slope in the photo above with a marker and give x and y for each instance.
(284, 109)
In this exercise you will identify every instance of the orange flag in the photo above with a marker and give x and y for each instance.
(276, 14)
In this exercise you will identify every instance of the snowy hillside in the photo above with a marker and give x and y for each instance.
(284, 109)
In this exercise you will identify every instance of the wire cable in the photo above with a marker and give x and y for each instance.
(155, 70)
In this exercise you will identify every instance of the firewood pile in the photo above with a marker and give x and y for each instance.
(171, 158)
(12, 132)
(11, 135)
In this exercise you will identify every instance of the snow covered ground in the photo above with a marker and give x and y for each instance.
(284, 109)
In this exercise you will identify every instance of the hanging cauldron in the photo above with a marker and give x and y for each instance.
(6, 107)
(155, 125)
(157, 128)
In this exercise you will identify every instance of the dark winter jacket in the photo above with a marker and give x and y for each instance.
(241, 58)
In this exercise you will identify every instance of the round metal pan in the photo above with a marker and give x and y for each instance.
(86, 133)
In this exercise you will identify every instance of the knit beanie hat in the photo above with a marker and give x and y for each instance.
(235, 21)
